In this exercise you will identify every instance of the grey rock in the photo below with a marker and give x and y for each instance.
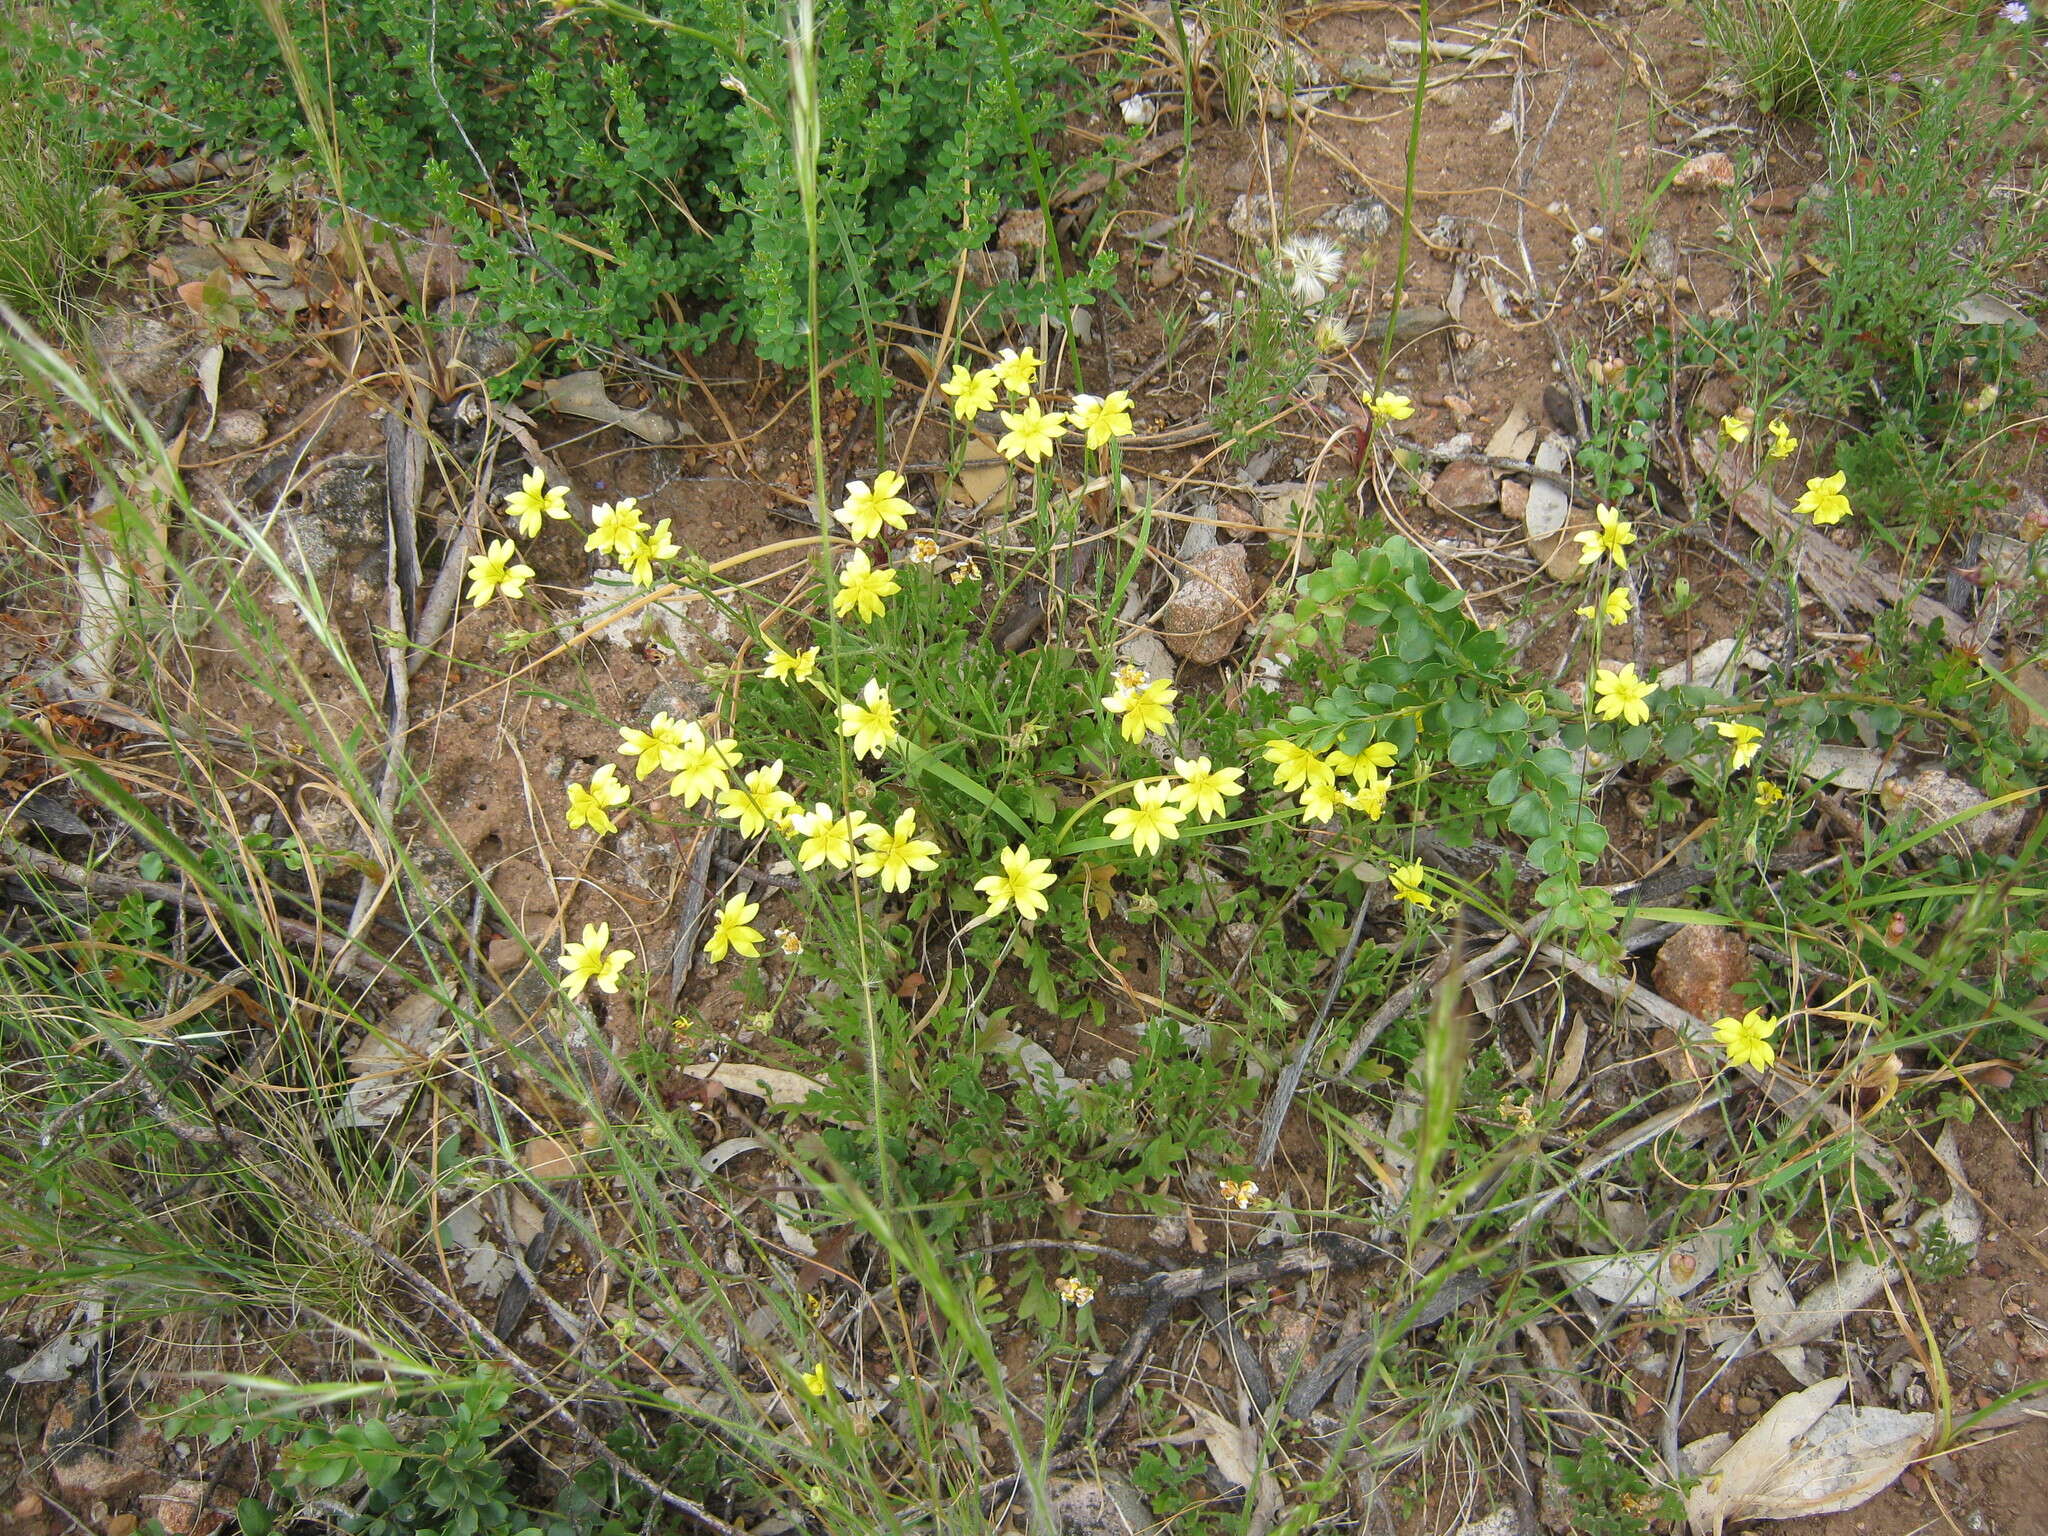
(1099, 1506)
(1251, 217)
(1933, 796)
(151, 356)
(338, 528)
(1366, 220)
(240, 429)
(1202, 621)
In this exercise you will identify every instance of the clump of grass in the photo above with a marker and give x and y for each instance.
(56, 222)
(1794, 54)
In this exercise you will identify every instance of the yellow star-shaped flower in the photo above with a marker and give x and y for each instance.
(1294, 765)
(641, 549)
(895, 853)
(1622, 695)
(614, 526)
(758, 801)
(590, 805)
(493, 572)
(536, 501)
(791, 666)
(701, 765)
(1748, 740)
(1154, 814)
(1102, 418)
(1823, 501)
(659, 746)
(1735, 429)
(1017, 370)
(1782, 441)
(1143, 710)
(1747, 1040)
(827, 839)
(864, 589)
(1613, 609)
(871, 722)
(1612, 538)
(1388, 406)
(731, 934)
(588, 961)
(1407, 882)
(971, 393)
(1020, 882)
(1202, 789)
(1032, 432)
(869, 509)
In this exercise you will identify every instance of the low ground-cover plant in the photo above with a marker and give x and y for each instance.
(617, 176)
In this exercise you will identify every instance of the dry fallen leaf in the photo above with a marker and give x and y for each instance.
(1809, 1455)
(1650, 1279)
(770, 1083)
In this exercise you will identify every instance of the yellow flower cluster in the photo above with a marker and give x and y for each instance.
(1143, 705)
(618, 529)
(1031, 431)
(1314, 778)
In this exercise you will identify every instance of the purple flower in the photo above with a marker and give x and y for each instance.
(2016, 12)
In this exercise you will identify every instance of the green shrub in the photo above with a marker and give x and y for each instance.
(56, 223)
(619, 181)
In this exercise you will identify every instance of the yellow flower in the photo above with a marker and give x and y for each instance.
(731, 932)
(965, 571)
(758, 802)
(971, 393)
(701, 765)
(1622, 695)
(1154, 814)
(815, 1380)
(1032, 432)
(924, 549)
(869, 509)
(1370, 797)
(587, 962)
(827, 839)
(1373, 761)
(1319, 799)
(1748, 740)
(1103, 418)
(1020, 884)
(896, 853)
(536, 500)
(1612, 538)
(1613, 608)
(1407, 882)
(783, 666)
(1294, 765)
(1017, 370)
(641, 549)
(493, 572)
(614, 527)
(1202, 789)
(1747, 1040)
(1735, 429)
(659, 746)
(1073, 1292)
(1767, 794)
(863, 589)
(1782, 440)
(871, 723)
(1822, 500)
(1144, 709)
(1239, 1192)
(1388, 406)
(590, 804)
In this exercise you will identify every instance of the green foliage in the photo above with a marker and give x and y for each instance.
(1443, 689)
(1610, 1496)
(1793, 54)
(1623, 418)
(623, 182)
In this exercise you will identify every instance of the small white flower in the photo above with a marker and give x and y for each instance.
(1333, 336)
(2016, 13)
(1138, 111)
(1313, 263)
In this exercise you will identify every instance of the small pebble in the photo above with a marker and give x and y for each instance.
(1747, 1405)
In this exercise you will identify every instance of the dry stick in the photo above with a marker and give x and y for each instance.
(349, 955)
(1399, 1003)
(1290, 1075)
